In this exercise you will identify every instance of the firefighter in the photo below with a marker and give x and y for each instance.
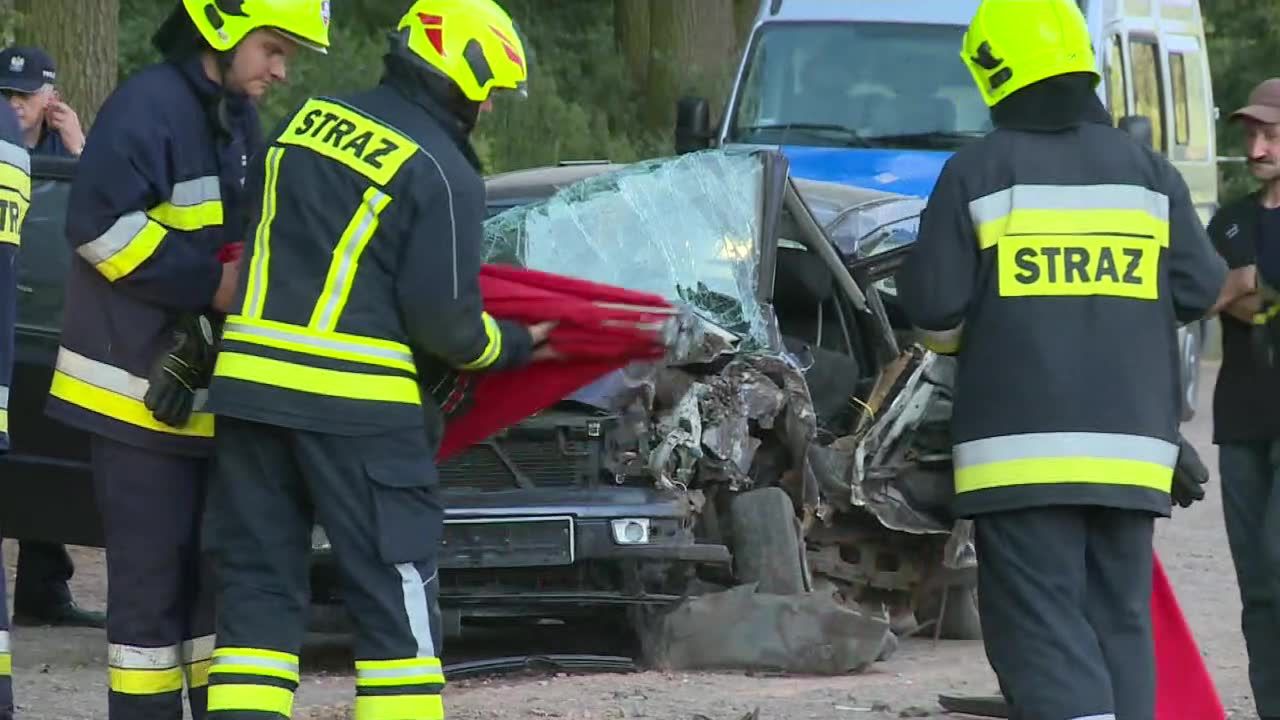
(158, 195)
(1056, 257)
(362, 269)
(15, 197)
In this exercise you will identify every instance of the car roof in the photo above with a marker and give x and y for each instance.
(934, 12)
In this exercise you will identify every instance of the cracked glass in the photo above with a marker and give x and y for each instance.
(686, 228)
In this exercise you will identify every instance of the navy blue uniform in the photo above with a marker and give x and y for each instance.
(158, 193)
(15, 198)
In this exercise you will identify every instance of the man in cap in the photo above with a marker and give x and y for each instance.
(1246, 417)
(49, 125)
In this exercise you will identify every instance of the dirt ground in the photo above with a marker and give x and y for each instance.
(60, 675)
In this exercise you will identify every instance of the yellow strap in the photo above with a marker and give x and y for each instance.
(346, 260)
(138, 250)
(145, 682)
(399, 707)
(251, 698)
(188, 219)
(122, 408)
(1052, 471)
(317, 381)
(255, 295)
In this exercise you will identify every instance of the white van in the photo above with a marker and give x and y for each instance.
(873, 93)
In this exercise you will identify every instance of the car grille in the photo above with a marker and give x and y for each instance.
(549, 457)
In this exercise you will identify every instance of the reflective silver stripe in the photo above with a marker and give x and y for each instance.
(1065, 444)
(198, 649)
(414, 589)
(111, 378)
(1107, 716)
(131, 657)
(347, 264)
(1069, 197)
(4, 641)
(430, 668)
(115, 239)
(258, 662)
(189, 193)
(322, 344)
(4, 397)
(15, 156)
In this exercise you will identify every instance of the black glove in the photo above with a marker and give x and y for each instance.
(1189, 476)
(184, 368)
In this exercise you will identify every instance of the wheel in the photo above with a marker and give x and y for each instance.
(961, 621)
(766, 542)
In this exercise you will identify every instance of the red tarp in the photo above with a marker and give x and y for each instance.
(1184, 689)
(601, 328)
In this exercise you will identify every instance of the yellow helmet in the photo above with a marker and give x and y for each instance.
(474, 43)
(224, 23)
(1011, 44)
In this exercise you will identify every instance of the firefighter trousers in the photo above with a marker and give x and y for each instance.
(1064, 594)
(6, 663)
(159, 596)
(374, 496)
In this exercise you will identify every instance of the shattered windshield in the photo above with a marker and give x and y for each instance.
(685, 228)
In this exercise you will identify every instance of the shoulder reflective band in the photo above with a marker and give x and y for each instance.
(1066, 457)
(350, 138)
(346, 258)
(193, 205)
(137, 670)
(1072, 240)
(15, 191)
(255, 295)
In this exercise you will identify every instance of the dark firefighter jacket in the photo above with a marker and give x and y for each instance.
(15, 198)
(1058, 260)
(366, 258)
(158, 192)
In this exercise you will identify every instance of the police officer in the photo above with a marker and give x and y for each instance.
(363, 265)
(1057, 257)
(156, 197)
(15, 197)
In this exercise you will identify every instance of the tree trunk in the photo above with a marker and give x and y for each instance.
(690, 40)
(83, 37)
(631, 27)
(744, 16)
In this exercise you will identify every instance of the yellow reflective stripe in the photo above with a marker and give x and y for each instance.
(346, 260)
(1071, 209)
(493, 346)
(255, 296)
(404, 671)
(128, 243)
(392, 681)
(13, 211)
(399, 707)
(298, 339)
(145, 682)
(1068, 457)
(262, 653)
(193, 205)
(198, 673)
(318, 381)
(423, 663)
(943, 342)
(254, 661)
(116, 394)
(251, 698)
(6, 664)
(15, 179)
(349, 138)
(4, 421)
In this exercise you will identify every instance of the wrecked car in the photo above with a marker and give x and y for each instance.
(801, 446)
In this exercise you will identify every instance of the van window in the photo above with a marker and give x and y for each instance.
(1117, 88)
(1148, 100)
(851, 84)
(1190, 106)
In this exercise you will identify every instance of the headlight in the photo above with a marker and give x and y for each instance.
(631, 531)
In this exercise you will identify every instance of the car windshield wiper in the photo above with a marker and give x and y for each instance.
(851, 136)
(932, 138)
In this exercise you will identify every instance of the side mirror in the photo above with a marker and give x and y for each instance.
(1140, 129)
(693, 125)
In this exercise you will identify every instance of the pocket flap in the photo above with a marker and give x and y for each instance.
(402, 472)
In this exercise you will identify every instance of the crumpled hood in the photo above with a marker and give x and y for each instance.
(910, 172)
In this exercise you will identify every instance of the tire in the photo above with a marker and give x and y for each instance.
(766, 542)
(961, 621)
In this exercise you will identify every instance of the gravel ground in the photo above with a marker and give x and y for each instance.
(60, 675)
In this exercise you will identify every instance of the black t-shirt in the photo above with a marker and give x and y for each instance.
(1246, 400)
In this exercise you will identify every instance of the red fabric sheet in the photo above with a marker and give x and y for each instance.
(1184, 688)
(601, 328)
